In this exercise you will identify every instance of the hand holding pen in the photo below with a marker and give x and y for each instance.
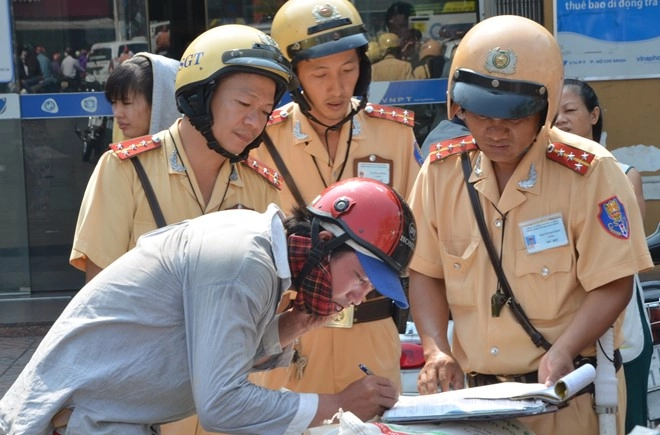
(365, 369)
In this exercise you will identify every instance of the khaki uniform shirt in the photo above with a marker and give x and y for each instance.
(391, 69)
(550, 284)
(380, 148)
(115, 211)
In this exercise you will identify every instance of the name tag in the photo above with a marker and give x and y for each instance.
(374, 167)
(544, 233)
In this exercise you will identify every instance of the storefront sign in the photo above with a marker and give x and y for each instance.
(428, 91)
(6, 63)
(609, 39)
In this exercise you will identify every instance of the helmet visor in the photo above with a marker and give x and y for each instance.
(385, 280)
(497, 98)
(328, 43)
(260, 59)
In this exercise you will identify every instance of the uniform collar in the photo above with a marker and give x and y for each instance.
(229, 175)
(525, 180)
(302, 126)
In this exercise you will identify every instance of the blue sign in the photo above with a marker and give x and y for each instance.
(64, 105)
(609, 39)
(83, 104)
(402, 93)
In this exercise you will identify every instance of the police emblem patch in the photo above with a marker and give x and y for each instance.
(612, 216)
(325, 12)
(501, 61)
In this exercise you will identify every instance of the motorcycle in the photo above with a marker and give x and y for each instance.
(93, 136)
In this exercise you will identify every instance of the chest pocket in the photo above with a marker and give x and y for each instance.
(544, 281)
(461, 287)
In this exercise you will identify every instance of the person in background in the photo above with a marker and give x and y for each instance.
(125, 54)
(432, 60)
(323, 136)
(397, 18)
(48, 83)
(175, 325)
(557, 212)
(580, 113)
(56, 65)
(141, 91)
(72, 73)
(390, 67)
(199, 164)
(373, 52)
(83, 56)
(163, 39)
(29, 73)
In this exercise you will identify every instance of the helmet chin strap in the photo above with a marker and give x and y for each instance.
(202, 124)
(306, 108)
(213, 144)
(319, 249)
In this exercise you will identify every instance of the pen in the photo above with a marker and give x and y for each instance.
(365, 369)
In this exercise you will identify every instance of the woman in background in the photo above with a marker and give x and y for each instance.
(141, 91)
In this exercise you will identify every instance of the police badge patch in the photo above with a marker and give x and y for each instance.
(612, 216)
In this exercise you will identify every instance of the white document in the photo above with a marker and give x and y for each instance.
(564, 389)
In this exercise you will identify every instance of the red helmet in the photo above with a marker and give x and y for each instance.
(374, 216)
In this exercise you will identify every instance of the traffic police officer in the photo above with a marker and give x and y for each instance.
(200, 164)
(323, 136)
(560, 213)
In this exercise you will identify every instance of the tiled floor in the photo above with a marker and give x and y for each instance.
(15, 352)
(24, 321)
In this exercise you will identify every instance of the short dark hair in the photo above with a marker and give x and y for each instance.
(132, 76)
(590, 100)
(399, 8)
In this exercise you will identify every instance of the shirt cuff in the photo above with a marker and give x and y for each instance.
(307, 407)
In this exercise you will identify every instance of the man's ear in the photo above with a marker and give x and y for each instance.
(326, 235)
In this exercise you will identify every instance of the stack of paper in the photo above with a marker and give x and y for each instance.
(503, 400)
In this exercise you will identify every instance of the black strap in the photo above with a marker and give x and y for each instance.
(149, 192)
(277, 158)
(516, 309)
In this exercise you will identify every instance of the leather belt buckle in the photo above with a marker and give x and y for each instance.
(344, 319)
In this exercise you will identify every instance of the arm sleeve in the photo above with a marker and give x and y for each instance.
(229, 324)
(105, 219)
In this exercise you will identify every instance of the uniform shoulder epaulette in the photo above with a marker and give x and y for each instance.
(443, 149)
(132, 147)
(573, 158)
(273, 177)
(402, 116)
(278, 116)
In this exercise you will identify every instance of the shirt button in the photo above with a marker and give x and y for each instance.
(494, 351)
(457, 266)
(545, 271)
(498, 223)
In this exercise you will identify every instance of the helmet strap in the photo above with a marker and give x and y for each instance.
(318, 250)
(305, 108)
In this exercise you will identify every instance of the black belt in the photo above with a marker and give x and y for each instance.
(475, 379)
(371, 310)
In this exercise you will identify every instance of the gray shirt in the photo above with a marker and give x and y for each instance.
(171, 328)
